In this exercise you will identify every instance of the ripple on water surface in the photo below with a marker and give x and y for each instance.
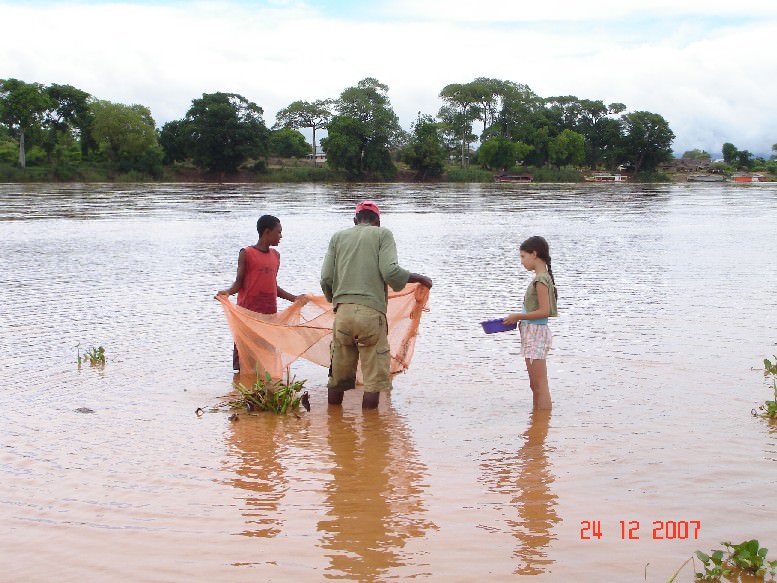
(659, 327)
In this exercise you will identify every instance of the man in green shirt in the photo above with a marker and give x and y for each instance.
(359, 265)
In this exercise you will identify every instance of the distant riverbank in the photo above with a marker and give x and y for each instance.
(302, 171)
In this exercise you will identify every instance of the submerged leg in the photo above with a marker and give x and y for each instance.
(370, 400)
(335, 397)
(235, 359)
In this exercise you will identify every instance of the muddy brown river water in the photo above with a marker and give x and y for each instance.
(667, 305)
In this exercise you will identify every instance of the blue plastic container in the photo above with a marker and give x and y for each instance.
(491, 326)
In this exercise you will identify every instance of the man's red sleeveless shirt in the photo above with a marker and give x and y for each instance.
(259, 292)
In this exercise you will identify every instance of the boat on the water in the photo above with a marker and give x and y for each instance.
(706, 178)
(748, 178)
(604, 177)
(513, 178)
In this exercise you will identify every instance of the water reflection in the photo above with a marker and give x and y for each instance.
(256, 443)
(374, 498)
(524, 475)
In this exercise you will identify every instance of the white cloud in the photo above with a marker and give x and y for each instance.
(711, 84)
(505, 11)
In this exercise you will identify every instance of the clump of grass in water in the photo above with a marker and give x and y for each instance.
(94, 356)
(269, 395)
(769, 408)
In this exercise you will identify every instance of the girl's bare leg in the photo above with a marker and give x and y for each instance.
(538, 381)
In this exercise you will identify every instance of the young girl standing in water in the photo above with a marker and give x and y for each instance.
(539, 303)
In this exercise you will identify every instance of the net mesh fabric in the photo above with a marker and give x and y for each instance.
(271, 342)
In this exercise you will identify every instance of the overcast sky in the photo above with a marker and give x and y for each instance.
(709, 67)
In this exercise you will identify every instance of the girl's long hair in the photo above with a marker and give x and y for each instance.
(539, 245)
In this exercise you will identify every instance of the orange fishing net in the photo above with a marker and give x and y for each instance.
(271, 342)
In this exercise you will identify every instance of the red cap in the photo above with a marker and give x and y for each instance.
(368, 205)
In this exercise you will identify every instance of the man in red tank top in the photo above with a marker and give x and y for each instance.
(256, 282)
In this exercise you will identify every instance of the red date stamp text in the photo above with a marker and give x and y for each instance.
(632, 530)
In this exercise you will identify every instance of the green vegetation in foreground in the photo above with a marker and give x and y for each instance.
(769, 408)
(95, 356)
(269, 395)
(745, 559)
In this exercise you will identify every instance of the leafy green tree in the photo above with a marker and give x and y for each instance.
(304, 114)
(591, 111)
(567, 149)
(520, 151)
(774, 155)
(647, 141)
(377, 162)
(345, 144)
(487, 94)
(697, 155)
(539, 140)
(730, 153)
(22, 107)
(288, 143)
(175, 137)
(453, 122)
(601, 131)
(501, 153)
(425, 152)
(69, 114)
(9, 151)
(521, 113)
(606, 143)
(126, 136)
(524, 118)
(368, 102)
(367, 124)
(349, 148)
(226, 130)
(564, 112)
(461, 101)
(745, 159)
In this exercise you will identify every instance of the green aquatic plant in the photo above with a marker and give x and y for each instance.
(714, 568)
(751, 558)
(267, 394)
(745, 558)
(94, 356)
(769, 408)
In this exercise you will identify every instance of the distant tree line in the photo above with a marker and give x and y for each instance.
(60, 125)
(735, 159)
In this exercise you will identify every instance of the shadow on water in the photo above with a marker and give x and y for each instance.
(353, 477)
(258, 443)
(524, 476)
(375, 497)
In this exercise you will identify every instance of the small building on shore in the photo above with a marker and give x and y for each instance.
(319, 158)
